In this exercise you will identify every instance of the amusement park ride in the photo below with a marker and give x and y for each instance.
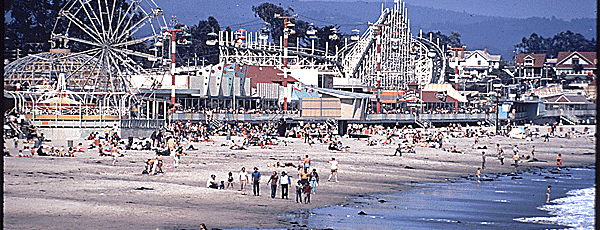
(97, 46)
(386, 55)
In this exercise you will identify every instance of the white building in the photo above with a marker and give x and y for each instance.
(473, 64)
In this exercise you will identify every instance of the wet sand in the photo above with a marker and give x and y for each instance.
(88, 192)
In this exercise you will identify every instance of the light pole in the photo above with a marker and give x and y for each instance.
(286, 32)
(497, 111)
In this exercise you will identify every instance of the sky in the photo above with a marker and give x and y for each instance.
(561, 9)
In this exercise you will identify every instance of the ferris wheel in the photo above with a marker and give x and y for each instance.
(121, 37)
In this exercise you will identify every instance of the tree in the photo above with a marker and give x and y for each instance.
(199, 49)
(563, 41)
(29, 23)
(267, 11)
(453, 40)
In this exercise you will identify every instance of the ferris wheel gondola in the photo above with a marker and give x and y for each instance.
(264, 32)
(355, 35)
(212, 39)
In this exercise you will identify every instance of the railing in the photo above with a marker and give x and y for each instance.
(231, 117)
(142, 123)
(556, 113)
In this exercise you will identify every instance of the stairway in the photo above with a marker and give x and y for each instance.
(572, 120)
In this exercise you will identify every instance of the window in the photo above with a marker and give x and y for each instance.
(529, 62)
(478, 62)
(575, 61)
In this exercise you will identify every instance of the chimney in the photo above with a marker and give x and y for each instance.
(485, 49)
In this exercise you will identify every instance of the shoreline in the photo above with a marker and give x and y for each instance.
(180, 194)
(458, 204)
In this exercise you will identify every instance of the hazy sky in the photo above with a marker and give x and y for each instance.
(563, 9)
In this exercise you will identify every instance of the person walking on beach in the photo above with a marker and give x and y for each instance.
(256, 182)
(303, 174)
(314, 180)
(306, 191)
(273, 181)
(558, 161)
(334, 169)
(299, 191)
(516, 150)
(532, 152)
(516, 159)
(482, 160)
(500, 152)
(398, 150)
(306, 162)
(284, 182)
(243, 180)
(478, 174)
(548, 194)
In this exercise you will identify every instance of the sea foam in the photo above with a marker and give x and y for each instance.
(576, 210)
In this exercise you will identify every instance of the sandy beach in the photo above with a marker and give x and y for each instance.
(88, 192)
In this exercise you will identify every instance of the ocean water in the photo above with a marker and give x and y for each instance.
(513, 201)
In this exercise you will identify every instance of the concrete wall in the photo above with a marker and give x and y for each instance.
(79, 134)
(136, 132)
(68, 133)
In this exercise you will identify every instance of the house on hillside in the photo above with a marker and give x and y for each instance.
(474, 64)
(531, 66)
(576, 68)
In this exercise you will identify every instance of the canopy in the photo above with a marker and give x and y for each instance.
(517, 133)
(59, 101)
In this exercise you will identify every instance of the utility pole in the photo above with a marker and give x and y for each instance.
(286, 32)
(173, 51)
(379, 74)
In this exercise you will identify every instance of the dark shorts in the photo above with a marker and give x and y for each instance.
(334, 170)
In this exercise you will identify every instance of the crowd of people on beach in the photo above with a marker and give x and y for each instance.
(169, 140)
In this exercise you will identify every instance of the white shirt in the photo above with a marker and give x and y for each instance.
(210, 181)
(284, 179)
(243, 175)
(334, 164)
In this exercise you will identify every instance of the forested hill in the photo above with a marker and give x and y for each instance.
(498, 34)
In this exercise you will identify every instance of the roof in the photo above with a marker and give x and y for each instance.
(538, 60)
(566, 99)
(483, 54)
(589, 57)
(446, 88)
(266, 74)
(339, 93)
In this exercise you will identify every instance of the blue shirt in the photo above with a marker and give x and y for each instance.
(256, 175)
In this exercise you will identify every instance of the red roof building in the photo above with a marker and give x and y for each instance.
(267, 74)
(530, 66)
(576, 63)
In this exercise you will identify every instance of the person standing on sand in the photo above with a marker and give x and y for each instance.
(299, 191)
(243, 180)
(256, 182)
(500, 152)
(478, 174)
(398, 150)
(284, 182)
(230, 180)
(482, 160)
(306, 189)
(558, 161)
(334, 169)
(516, 159)
(273, 181)
(516, 150)
(314, 180)
(306, 162)
(548, 194)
